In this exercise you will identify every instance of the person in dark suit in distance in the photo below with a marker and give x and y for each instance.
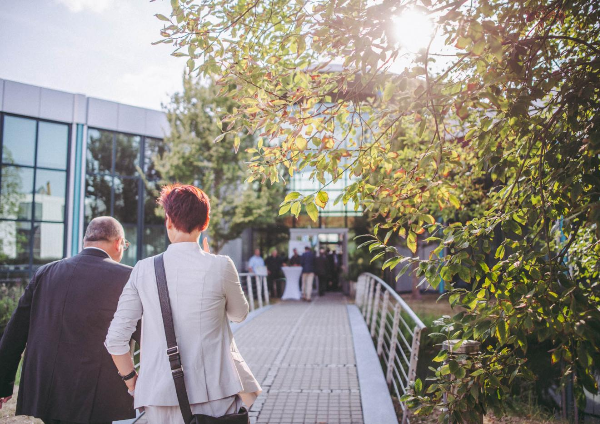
(274, 273)
(295, 258)
(322, 270)
(307, 260)
(335, 264)
(62, 320)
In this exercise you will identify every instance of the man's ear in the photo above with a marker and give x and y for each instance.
(168, 222)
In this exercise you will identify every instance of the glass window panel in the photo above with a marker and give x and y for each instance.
(18, 141)
(97, 196)
(154, 147)
(48, 242)
(16, 193)
(14, 245)
(127, 154)
(155, 241)
(50, 195)
(153, 213)
(126, 199)
(99, 151)
(130, 255)
(53, 144)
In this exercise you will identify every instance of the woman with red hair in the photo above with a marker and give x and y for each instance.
(204, 293)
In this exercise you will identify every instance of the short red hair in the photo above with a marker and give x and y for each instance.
(187, 206)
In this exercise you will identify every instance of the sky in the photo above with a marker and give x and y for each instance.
(100, 48)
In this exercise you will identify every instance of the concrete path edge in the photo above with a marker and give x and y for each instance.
(374, 393)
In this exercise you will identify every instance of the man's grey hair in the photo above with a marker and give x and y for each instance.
(103, 228)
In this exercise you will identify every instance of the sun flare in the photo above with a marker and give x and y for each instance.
(413, 29)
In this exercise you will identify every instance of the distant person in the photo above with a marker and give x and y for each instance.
(255, 262)
(323, 271)
(308, 272)
(274, 273)
(335, 265)
(295, 259)
(61, 322)
(204, 293)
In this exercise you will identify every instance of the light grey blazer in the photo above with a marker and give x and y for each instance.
(205, 293)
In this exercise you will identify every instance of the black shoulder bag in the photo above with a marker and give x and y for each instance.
(175, 359)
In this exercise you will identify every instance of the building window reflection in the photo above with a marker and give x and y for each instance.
(116, 163)
(33, 194)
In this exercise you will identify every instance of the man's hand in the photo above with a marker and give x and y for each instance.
(4, 400)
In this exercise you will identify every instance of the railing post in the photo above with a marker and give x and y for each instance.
(369, 303)
(414, 355)
(250, 292)
(259, 291)
(266, 289)
(358, 294)
(394, 341)
(382, 322)
(375, 306)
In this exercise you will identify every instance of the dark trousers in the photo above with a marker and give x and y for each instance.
(323, 283)
(276, 285)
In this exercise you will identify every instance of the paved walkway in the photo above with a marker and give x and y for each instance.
(303, 356)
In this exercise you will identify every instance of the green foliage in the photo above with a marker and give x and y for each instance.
(201, 150)
(9, 298)
(496, 154)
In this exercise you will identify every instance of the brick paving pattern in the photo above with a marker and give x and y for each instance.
(303, 356)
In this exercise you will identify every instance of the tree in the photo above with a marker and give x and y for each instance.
(514, 124)
(197, 152)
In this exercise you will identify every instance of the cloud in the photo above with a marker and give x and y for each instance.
(96, 6)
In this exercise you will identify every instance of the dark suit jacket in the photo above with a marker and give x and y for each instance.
(63, 318)
(307, 260)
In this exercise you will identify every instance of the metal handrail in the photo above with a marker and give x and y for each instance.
(379, 304)
(248, 280)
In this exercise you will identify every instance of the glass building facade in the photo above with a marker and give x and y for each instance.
(33, 194)
(122, 181)
(65, 159)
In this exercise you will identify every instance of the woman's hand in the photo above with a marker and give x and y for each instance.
(131, 384)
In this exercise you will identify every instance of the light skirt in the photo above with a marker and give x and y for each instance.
(172, 414)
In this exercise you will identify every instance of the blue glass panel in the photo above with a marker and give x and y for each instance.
(50, 193)
(48, 242)
(18, 141)
(16, 193)
(53, 143)
(99, 151)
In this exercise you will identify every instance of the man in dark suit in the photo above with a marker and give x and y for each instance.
(275, 273)
(62, 319)
(323, 271)
(335, 265)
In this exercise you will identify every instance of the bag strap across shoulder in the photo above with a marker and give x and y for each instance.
(172, 348)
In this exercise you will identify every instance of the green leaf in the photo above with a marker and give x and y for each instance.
(388, 92)
(418, 386)
(312, 211)
(411, 241)
(296, 207)
(291, 196)
(162, 17)
(321, 199)
(454, 201)
(284, 209)
(441, 356)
